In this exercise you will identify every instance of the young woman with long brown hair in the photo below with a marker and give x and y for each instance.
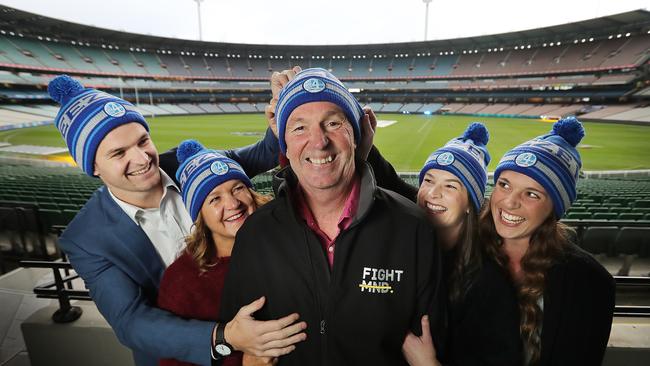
(482, 307)
(566, 298)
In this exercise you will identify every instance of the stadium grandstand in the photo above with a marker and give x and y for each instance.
(597, 69)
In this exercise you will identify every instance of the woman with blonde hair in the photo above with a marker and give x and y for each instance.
(219, 197)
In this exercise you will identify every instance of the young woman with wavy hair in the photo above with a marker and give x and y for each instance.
(566, 298)
(482, 307)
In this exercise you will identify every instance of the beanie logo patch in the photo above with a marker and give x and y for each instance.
(313, 85)
(445, 158)
(526, 160)
(219, 168)
(114, 109)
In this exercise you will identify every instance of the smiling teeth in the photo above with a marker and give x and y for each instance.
(235, 217)
(511, 219)
(321, 161)
(141, 171)
(436, 208)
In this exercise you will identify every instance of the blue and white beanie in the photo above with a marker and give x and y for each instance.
(467, 158)
(201, 170)
(316, 85)
(552, 160)
(87, 116)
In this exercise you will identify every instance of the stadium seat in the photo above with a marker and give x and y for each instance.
(599, 241)
(633, 243)
(642, 203)
(595, 210)
(579, 216)
(623, 201)
(605, 215)
(630, 216)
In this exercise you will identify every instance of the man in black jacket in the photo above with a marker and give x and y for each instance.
(357, 262)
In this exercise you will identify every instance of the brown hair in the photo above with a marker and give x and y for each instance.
(466, 258)
(547, 245)
(200, 245)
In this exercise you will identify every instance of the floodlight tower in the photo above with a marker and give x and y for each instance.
(426, 18)
(198, 8)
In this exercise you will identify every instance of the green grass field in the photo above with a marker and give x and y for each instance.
(406, 143)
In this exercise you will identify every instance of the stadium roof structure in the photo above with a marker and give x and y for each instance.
(31, 24)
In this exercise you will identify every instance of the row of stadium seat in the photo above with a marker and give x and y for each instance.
(16, 114)
(623, 251)
(522, 82)
(68, 189)
(33, 200)
(54, 56)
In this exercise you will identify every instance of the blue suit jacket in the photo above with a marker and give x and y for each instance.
(122, 270)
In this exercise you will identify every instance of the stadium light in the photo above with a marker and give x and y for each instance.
(501, 49)
(626, 34)
(619, 35)
(426, 18)
(198, 9)
(611, 36)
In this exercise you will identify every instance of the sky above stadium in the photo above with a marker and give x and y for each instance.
(328, 22)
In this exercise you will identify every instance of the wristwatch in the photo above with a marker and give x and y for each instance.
(221, 347)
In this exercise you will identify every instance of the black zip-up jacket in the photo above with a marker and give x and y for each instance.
(386, 275)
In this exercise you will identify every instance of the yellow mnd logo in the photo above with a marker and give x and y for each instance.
(379, 280)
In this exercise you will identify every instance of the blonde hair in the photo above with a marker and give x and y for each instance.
(200, 245)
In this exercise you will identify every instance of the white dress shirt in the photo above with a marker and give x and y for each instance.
(166, 226)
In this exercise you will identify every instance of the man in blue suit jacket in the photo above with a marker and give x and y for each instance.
(132, 228)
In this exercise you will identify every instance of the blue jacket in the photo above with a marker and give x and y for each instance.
(122, 270)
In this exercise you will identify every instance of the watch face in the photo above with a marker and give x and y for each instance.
(222, 349)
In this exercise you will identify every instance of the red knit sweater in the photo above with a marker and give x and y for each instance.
(188, 293)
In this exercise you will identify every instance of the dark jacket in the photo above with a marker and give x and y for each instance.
(484, 324)
(386, 275)
(578, 310)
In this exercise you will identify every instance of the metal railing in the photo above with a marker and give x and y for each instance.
(60, 289)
